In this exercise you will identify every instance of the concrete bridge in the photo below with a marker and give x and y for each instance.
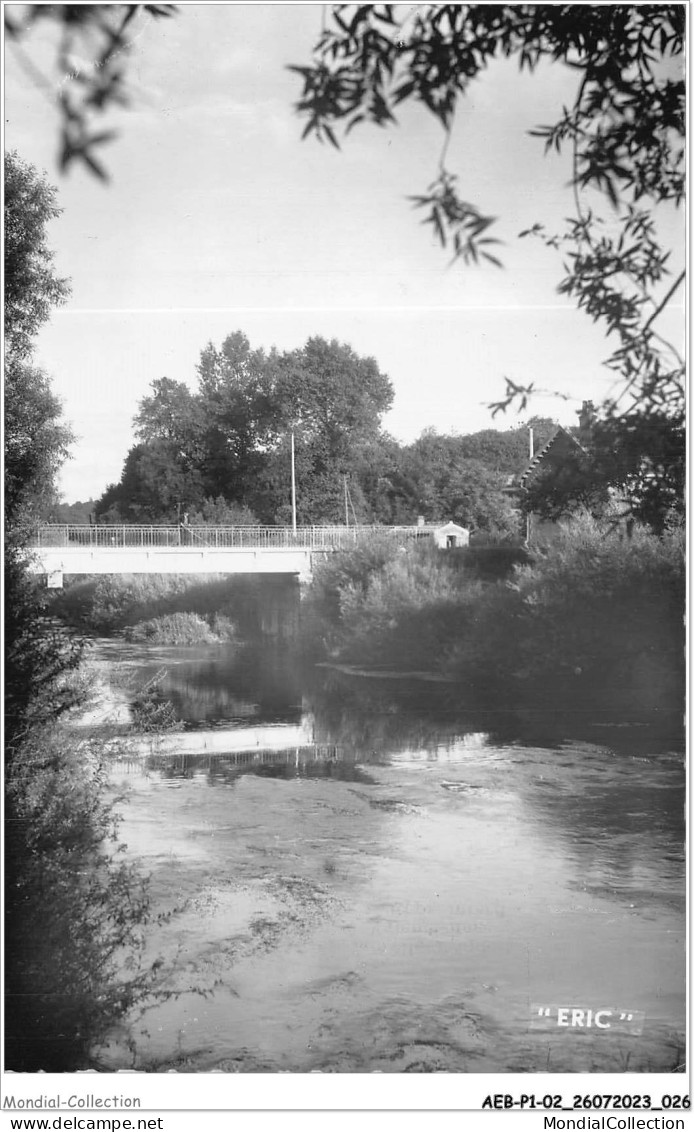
(60, 549)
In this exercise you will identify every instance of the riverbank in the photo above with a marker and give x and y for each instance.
(594, 618)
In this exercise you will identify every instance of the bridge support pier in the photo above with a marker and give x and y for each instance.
(278, 606)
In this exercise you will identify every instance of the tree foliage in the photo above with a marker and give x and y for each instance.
(624, 131)
(38, 658)
(604, 608)
(230, 440)
(36, 437)
(634, 466)
(36, 442)
(73, 911)
(462, 478)
(77, 514)
(90, 60)
(222, 453)
(373, 58)
(32, 288)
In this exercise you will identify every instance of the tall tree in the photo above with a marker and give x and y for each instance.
(36, 438)
(36, 443)
(72, 909)
(32, 288)
(446, 483)
(241, 412)
(231, 440)
(333, 401)
(153, 488)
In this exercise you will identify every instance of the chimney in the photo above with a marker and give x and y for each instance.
(586, 420)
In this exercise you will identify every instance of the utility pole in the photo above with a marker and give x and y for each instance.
(293, 488)
(346, 503)
(531, 452)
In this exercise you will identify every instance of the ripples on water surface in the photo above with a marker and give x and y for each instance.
(372, 877)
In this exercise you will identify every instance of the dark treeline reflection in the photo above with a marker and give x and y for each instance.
(232, 685)
(384, 714)
(609, 788)
(220, 685)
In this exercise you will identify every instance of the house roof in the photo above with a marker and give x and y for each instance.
(553, 451)
(451, 529)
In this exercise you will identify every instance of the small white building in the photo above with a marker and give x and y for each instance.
(451, 535)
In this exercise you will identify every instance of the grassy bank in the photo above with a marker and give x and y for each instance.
(182, 629)
(594, 615)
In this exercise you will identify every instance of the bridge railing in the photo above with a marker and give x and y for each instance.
(239, 538)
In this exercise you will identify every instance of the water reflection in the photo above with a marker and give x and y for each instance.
(227, 684)
(628, 792)
(226, 769)
(215, 685)
(402, 843)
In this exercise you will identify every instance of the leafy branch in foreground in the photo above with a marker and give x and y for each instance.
(624, 131)
(626, 122)
(90, 69)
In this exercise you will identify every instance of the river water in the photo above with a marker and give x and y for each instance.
(366, 873)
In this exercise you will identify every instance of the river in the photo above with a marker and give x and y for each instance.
(368, 874)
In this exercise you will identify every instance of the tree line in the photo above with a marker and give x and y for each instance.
(222, 453)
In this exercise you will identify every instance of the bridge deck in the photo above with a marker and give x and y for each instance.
(64, 549)
(204, 537)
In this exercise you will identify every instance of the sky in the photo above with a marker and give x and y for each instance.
(218, 218)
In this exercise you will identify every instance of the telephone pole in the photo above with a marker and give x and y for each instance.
(293, 488)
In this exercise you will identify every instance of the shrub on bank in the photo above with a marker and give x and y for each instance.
(605, 607)
(408, 611)
(152, 712)
(182, 629)
(111, 603)
(390, 604)
(595, 612)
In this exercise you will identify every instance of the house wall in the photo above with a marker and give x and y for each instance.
(462, 538)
